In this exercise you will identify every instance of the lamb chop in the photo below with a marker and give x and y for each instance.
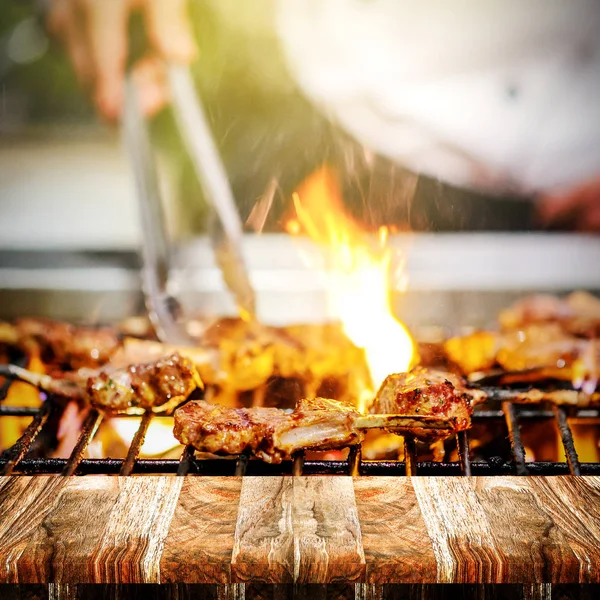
(157, 386)
(428, 392)
(441, 394)
(274, 435)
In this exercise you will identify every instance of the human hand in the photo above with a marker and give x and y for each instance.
(94, 33)
(577, 209)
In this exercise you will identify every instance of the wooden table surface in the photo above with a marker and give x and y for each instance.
(299, 529)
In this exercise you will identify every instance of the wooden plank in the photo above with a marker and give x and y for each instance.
(529, 545)
(24, 504)
(327, 537)
(297, 529)
(66, 540)
(458, 528)
(93, 529)
(263, 549)
(489, 530)
(130, 546)
(199, 544)
(573, 504)
(395, 541)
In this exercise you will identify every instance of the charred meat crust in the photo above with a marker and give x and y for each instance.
(268, 433)
(159, 386)
(427, 392)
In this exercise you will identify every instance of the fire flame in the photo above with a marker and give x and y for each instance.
(360, 277)
(159, 437)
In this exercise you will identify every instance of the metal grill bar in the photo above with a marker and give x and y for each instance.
(136, 445)
(566, 435)
(5, 387)
(146, 466)
(241, 465)
(20, 449)
(462, 443)
(18, 411)
(410, 456)
(354, 459)
(88, 430)
(297, 463)
(514, 435)
(186, 461)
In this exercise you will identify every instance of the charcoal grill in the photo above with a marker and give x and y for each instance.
(450, 283)
(15, 459)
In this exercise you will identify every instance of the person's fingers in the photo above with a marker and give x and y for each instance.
(169, 29)
(556, 208)
(578, 207)
(150, 80)
(106, 27)
(63, 21)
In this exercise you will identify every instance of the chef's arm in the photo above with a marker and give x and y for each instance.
(94, 33)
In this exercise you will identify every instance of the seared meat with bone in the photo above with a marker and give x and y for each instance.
(440, 394)
(274, 435)
(428, 392)
(157, 386)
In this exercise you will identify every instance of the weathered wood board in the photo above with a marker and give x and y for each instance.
(299, 529)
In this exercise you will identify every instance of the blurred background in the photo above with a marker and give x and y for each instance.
(70, 229)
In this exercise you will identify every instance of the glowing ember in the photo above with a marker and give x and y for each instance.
(360, 279)
(159, 437)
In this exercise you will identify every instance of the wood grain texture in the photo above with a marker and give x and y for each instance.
(327, 536)
(396, 545)
(24, 504)
(504, 529)
(303, 530)
(578, 521)
(93, 529)
(298, 529)
(529, 544)
(200, 541)
(263, 549)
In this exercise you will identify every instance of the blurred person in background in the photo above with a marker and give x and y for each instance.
(494, 105)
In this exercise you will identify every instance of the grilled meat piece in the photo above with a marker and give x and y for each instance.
(529, 355)
(268, 433)
(62, 344)
(577, 314)
(427, 392)
(274, 435)
(158, 386)
(234, 356)
(231, 355)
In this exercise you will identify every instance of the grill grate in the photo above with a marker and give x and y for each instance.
(16, 460)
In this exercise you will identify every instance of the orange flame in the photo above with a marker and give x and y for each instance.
(360, 275)
(20, 394)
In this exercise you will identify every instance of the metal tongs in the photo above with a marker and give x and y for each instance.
(224, 227)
